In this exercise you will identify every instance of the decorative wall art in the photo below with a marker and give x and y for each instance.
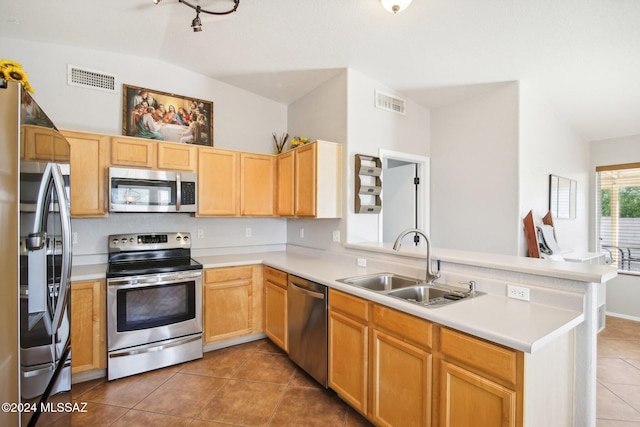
(152, 114)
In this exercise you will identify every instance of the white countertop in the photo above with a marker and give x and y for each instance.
(521, 325)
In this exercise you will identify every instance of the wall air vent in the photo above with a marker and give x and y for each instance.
(384, 101)
(92, 79)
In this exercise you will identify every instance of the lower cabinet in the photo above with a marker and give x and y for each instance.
(481, 383)
(232, 303)
(275, 307)
(88, 326)
(401, 370)
(348, 348)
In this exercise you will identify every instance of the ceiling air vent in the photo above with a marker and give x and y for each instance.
(387, 102)
(91, 79)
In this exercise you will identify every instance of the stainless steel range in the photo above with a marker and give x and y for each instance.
(154, 303)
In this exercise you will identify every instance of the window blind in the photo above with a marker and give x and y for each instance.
(618, 214)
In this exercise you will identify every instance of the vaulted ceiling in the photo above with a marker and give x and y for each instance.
(582, 55)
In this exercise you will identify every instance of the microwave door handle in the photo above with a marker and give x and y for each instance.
(178, 191)
(65, 272)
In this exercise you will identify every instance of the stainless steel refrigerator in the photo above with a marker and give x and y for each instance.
(36, 205)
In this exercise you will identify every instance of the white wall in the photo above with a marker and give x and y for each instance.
(242, 120)
(623, 292)
(548, 145)
(474, 173)
(371, 129)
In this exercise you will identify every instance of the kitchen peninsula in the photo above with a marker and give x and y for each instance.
(552, 336)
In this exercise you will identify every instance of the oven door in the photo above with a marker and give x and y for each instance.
(152, 308)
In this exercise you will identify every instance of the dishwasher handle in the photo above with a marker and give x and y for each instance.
(312, 294)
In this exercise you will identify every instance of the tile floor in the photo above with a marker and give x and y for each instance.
(252, 384)
(619, 374)
(255, 384)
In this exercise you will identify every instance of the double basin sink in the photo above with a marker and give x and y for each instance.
(411, 290)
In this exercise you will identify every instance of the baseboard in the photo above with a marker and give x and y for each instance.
(233, 341)
(88, 376)
(623, 316)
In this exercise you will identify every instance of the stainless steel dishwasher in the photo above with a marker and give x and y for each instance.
(307, 323)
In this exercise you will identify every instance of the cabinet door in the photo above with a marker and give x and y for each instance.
(228, 303)
(44, 144)
(469, 399)
(349, 359)
(89, 163)
(275, 314)
(88, 326)
(257, 184)
(175, 156)
(305, 180)
(132, 152)
(286, 184)
(401, 382)
(218, 176)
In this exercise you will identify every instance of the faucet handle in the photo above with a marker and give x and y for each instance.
(471, 284)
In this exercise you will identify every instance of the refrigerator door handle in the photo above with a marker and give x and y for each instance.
(65, 272)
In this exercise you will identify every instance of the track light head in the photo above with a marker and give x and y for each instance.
(196, 24)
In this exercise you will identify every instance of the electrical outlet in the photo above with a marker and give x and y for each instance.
(302, 233)
(247, 232)
(518, 292)
(74, 237)
(362, 262)
(336, 235)
(200, 233)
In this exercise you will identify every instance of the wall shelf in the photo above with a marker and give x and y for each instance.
(368, 184)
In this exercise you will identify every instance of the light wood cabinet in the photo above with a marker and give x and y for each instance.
(129, 151)
(257, 184)
(89, 161)
(176, 156)
(401, 380)
(218, 178)
(481, 383)
(228, 303)
(88, 326)
(286, 184)
(43, 144)
(275, 307)
(348, 348)
(315, 181)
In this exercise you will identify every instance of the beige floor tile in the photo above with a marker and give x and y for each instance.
(243, 403)
(617, 371)
(630, 394)
(614, 423)
(219, 363)
(183, 395)
(611, 407)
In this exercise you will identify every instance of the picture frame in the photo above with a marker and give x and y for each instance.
(562, 197)
(153, 114)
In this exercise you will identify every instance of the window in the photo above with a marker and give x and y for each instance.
(618, 215)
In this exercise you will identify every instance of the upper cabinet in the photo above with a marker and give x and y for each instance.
(257, 184)
(176, 156)
(218, 178)
(126, 151)
(89, 160)
(45, 144)
(315, 181)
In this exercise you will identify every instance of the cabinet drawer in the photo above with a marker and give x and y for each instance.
(406, 326)
(348, 304)
(228, 274)
(276, 277)
(495, 360)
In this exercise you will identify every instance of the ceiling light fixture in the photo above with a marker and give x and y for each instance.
(395, 6)
(196, 24)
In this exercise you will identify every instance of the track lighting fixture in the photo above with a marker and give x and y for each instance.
(196, 24)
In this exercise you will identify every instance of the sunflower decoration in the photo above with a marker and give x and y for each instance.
(12, 71)
(300, 140)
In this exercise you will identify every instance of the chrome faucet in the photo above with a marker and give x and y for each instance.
(431, 275)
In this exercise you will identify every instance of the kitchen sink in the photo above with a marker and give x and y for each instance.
(381, 281)
(412, 290)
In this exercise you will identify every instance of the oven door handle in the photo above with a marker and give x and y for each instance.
(160, 279)
(155, 347)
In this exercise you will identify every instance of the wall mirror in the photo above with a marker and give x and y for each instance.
(562, 197)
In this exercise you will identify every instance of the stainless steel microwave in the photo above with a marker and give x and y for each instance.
(142, 190)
